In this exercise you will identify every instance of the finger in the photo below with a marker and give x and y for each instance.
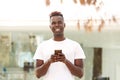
(60, 58)
(60, 54)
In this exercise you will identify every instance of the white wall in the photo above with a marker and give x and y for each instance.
(111, 62)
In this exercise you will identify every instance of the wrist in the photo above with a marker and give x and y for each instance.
(50, 61)
(65, 61)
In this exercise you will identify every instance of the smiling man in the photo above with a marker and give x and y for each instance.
(59, 58)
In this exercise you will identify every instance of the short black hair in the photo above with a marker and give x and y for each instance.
(56, 13)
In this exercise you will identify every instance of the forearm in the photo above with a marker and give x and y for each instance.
(75, 70)
(41, 70)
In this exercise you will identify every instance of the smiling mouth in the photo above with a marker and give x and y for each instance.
(57, 30)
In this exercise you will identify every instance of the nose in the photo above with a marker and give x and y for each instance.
(57, 24)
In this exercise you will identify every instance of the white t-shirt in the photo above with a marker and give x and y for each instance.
(58, 70)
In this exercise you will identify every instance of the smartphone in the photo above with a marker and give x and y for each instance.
(57, 51)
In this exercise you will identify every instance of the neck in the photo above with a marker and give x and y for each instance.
(59, 38)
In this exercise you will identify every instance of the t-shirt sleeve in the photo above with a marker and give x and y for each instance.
(79, 53)
(38, 53)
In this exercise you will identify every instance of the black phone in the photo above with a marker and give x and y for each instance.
(57, 51)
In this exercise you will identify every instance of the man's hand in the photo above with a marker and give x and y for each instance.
(59, 57)
(53, 58)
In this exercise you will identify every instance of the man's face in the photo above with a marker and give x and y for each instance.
(57, 25)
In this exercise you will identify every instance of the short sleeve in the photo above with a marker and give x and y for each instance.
(38, 53)
(79, 53)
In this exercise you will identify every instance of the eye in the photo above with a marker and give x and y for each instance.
(53, 23)
(60, 22)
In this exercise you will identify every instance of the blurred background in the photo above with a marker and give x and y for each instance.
(95, 24)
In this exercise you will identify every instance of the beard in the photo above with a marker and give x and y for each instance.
(58, 34)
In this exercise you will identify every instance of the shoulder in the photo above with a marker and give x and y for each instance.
(45, 42)
(72, 41)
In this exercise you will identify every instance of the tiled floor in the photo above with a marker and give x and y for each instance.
(17, 74)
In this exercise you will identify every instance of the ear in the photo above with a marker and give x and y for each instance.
(64, 25)
(50, 26)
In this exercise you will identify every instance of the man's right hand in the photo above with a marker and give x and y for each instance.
(53, 58)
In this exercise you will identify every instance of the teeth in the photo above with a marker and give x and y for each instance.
(57, 29)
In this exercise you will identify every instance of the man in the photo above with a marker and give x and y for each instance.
(65, 64)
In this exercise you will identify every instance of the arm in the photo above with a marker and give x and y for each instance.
(42, 68)
(76, 68)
